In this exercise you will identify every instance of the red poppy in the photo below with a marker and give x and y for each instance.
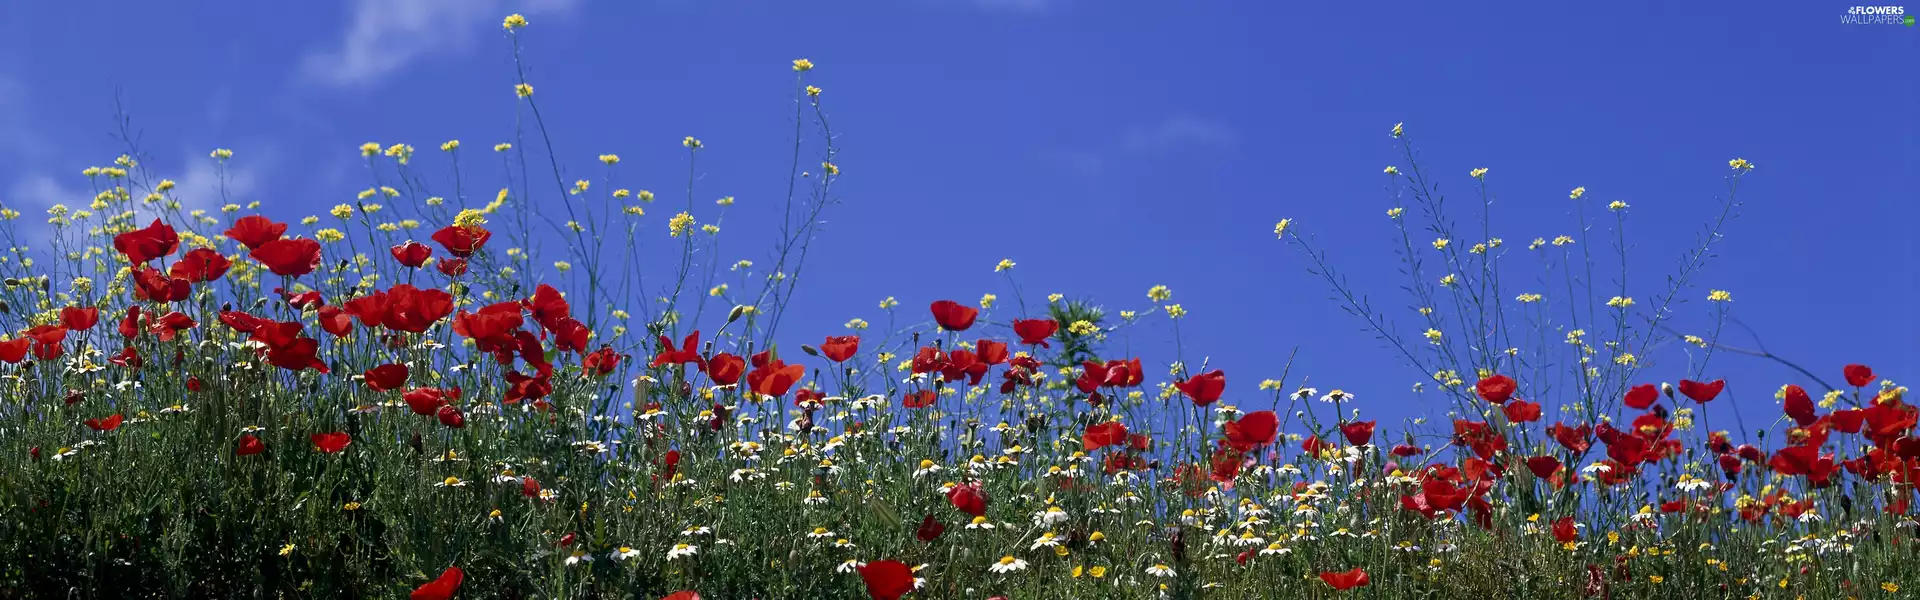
(1034, 332)
(1797, 404)
(1521, 411)
(887, 579)
(969, 498)
(442, 588)
(1564, 531)
(840, 348)
(1496, 388)
(452, 267)
(775, 378)
(297, 355)
(1702, 393)
(953, 316)
(386, 377)
(106, 424)
(1358, 433)
(143, 245)
(335, 320)
(169, 326)
(724, 368)
(1347, 580)
(1543, 466)
(47, 341)
(200, 264)
(424, 401)
(929, 530)
(413, 310)
(289, 257)
(253, 230)
(462, 241)
(411, 254)
(157, 286)
(451, 417)
(683, 595)
(79, 319)
(1858, 375)
(15, 350)
(920, 399)
(1101, 435)
(1205, 388)
(529, 487)
(249, 446)
(329, 443)
(130, 358)
(600, 363)
(1574, 439)
(689, 351)
(1642, 396)
(1252, 430)
(990, 352)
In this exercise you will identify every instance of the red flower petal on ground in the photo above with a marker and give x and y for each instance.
(1858, 375)
(1205, 388)
(442, 588)
(329, 443)
(462, 241)
(291, 258)
(1496, 388)
(386, 377)
(1642, 396)
(887, 579)
(1034, 332)
(144, 245)
(1101, 435)
(840, 348)
(200, 264)
(253, 230)
(78, 318)
(1346, 580)
(249, 446)
(1702, 392)
(953, 316)
(106, 424)
(411, 254)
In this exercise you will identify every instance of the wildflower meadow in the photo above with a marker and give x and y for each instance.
(461, 384)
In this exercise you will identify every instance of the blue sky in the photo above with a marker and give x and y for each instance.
(1104, 146)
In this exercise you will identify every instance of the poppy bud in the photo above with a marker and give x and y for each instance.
(415, 442)
(1667, 389)
(734, 315)
(12, 282)
(5, 308)
(810, 350)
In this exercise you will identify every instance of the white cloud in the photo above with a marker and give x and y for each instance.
(1176, 132)
(1179, 130)
(199, 187)
(384, 36)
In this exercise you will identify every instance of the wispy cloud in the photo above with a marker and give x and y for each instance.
(384, 36)
(17, 136)
(1178, 132)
